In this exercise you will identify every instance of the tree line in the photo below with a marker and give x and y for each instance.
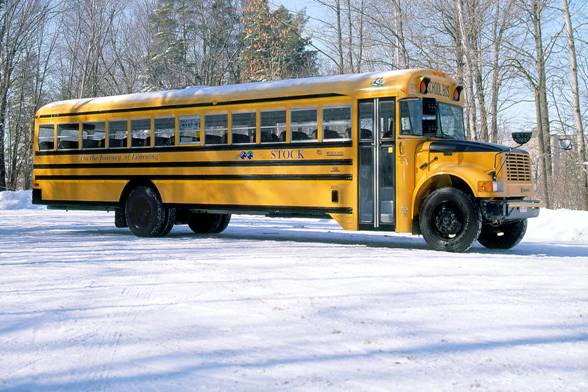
(520, 62)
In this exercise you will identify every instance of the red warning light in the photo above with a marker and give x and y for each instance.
(424, 85)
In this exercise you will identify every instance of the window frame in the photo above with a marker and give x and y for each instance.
(324, 139)
(299, 109)
(169, 116)
(127, 138)
(130, 131)
(225, 113)
(256, 119)
(54, 125)
(57, 136)
(286, 124)
(200, 129)
(104, 122)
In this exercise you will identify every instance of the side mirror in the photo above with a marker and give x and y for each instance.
(429, 117)
(521, 138)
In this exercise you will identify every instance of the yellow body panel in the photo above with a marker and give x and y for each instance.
(297, 175)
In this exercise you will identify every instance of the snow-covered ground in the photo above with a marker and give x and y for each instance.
(278, 304)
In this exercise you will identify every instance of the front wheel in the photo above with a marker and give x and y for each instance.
(504, 236)
(450, 220)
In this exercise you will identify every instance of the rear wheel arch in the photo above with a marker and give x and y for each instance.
(135, 182)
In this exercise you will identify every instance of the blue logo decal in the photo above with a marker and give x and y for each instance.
(246, 155)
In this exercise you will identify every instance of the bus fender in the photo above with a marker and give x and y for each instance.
(439, 180)
(133, 182)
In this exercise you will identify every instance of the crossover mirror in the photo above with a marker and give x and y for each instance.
(521, 138)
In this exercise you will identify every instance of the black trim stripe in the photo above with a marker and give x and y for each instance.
(227, 147)
(210, 207)
(268, 209)
(214, 177)
(192, 105)
(108, 165)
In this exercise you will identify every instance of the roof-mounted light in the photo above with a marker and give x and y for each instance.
(457, 93)
(424, 85)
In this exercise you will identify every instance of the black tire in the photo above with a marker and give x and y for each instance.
(450, 220)
(202, 223)
(170, 221)
(503, 236)
(145, 214)
(119, 218)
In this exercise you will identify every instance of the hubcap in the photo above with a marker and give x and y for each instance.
(141, 211)
(448, 220)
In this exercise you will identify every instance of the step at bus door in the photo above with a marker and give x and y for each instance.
(377, 171)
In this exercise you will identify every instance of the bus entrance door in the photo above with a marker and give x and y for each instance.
(377, 182)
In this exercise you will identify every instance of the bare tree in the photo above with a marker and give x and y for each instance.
(19, 20)
(580, 143)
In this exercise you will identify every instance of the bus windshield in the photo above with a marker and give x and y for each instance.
(447, 122)
(451, 121)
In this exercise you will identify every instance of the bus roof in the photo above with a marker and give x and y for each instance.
(313, 86)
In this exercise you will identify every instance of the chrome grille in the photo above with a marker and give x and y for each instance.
(518, 167)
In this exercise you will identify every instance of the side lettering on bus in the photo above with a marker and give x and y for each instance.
(287, 154)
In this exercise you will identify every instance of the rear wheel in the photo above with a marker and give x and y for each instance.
(146, 215)
(503, 236)
(203, 223)
(450, 220)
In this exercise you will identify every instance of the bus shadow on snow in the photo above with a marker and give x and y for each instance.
(332, 236)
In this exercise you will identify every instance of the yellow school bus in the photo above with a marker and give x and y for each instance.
(373, 151)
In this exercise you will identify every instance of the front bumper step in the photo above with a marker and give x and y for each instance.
(499, 211)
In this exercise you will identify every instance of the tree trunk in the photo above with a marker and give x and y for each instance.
(581, 146)
(495, 83)
(339, 36)
(542, 97)
(542, 161)
(350, 37)
(466, 51)
(480, 92)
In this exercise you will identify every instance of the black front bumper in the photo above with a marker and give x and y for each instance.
(500, 211)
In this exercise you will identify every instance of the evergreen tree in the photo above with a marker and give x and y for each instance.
(273, 45)
(193, 42)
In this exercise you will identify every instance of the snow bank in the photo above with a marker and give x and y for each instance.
(18, 200)
(559, 225)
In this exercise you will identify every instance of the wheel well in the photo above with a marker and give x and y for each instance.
(134, 182)
(436, 183)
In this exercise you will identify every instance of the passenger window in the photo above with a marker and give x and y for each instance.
(304, 124)
(337, 123)
(164, 131)
(243, 128)
(93, 135)
(141, 133)
(216, 129)
(46, 137)
(273, 126)
(117, 134)
(67, 136)
(189, 129)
